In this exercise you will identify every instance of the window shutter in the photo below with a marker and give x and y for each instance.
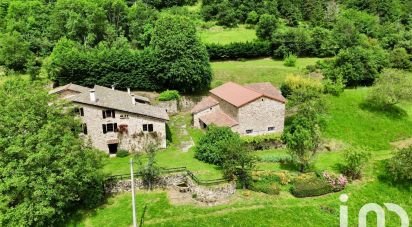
(85, 128)
(144, 127)
(115, 126)
(104, 114)
(113, 114)
(81, 112)
(150, 127)
(104, 129)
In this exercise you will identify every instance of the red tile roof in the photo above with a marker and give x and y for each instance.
(268, 90)
(235, 94)
(206, 103)
(218, 118)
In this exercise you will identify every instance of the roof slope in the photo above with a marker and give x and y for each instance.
(204, 104)
(71, 87)
(235, 94)
(119, 100)
(268, 90)
(218, 118)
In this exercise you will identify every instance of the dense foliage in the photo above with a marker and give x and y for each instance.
(399, 167)
(169, 95)
(236, 51)
(46, 172)
(355, 161)
(310, 186)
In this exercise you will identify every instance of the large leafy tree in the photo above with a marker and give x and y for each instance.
(46, 171)
(14, 51)
(182, 60)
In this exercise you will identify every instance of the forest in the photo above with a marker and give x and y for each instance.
(154, 45)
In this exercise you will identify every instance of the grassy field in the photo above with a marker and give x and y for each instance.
(261, 70)
(347, 121)
(221, 35)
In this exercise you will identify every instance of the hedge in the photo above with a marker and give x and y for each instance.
(310, 187)
(235, 51)
(263, 142)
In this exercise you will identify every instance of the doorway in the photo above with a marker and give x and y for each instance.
(112, 148)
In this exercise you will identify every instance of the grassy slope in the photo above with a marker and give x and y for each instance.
(249, 208)
(261, 70)
(220, 35)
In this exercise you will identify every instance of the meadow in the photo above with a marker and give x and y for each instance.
(221, 35)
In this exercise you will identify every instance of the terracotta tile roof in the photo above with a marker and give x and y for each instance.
(235, 94)
(268, 90)
(218, 118)
(119, 100)
(204, 104)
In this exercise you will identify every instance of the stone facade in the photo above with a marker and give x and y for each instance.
(132, 139)
(206, 194)
(262, 116)
(196, 116)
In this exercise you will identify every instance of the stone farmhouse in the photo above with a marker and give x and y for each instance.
(252, 109)
(113, 119)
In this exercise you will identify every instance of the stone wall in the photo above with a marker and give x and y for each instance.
(185, 103)
(205, 194)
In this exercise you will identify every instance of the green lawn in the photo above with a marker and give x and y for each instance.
(173, 156)
(221, 35)
(348, 121)
(261, 70)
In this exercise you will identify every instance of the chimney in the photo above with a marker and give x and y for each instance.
(133, 100)
(92, 95)
(113, 87)
(128, 90)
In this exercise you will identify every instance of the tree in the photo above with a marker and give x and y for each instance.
(182, 60)
(45, 169)
(355, 161)
(302, 137)
(212, 145)
(238, 163)
(357, 65)
(141, 22)
(252, 18)
(399, 167)
(14, 51)
(390, 89)
(150, 171)
(266, 26)
(400, 59)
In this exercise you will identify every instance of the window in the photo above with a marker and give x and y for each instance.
(79, 111)
(108, 113)
(147, 127)
(271, 129)
(84, 128)
(124, 116)
(249, 131)
(111, 127)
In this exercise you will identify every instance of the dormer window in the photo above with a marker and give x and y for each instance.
(108, 114)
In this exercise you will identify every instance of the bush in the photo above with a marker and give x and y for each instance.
(338, 183)
(399, 167)
(302, 85)
(290, 60)
(169, 95)
(214, 142)
(266, 184)
(263, 142)
(333, 87)
(312, 186)
(235, 51)
(355, 161)
(122, 153)
(400, 59)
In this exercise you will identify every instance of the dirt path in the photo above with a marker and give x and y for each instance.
(402, 143)
(186, 145)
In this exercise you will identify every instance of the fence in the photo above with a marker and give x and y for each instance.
(171, 170)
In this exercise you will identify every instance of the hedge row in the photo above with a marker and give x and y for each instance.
(235, 51)
(311, 187)
(263, 142)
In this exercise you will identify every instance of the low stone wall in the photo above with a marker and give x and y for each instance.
(205, 194)
(185, 103)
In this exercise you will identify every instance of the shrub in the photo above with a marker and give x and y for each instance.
(214, 142)
(302, 85)
(400, 59)
(312, 186)
(355, 161)
(338, 183)
(334, 87)
(277, 159)
(263, 142)
(399, 167)
(122, 153)
(284, 177)
(169, 95)
(266, 184)
(235, 51)
(290, 60)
